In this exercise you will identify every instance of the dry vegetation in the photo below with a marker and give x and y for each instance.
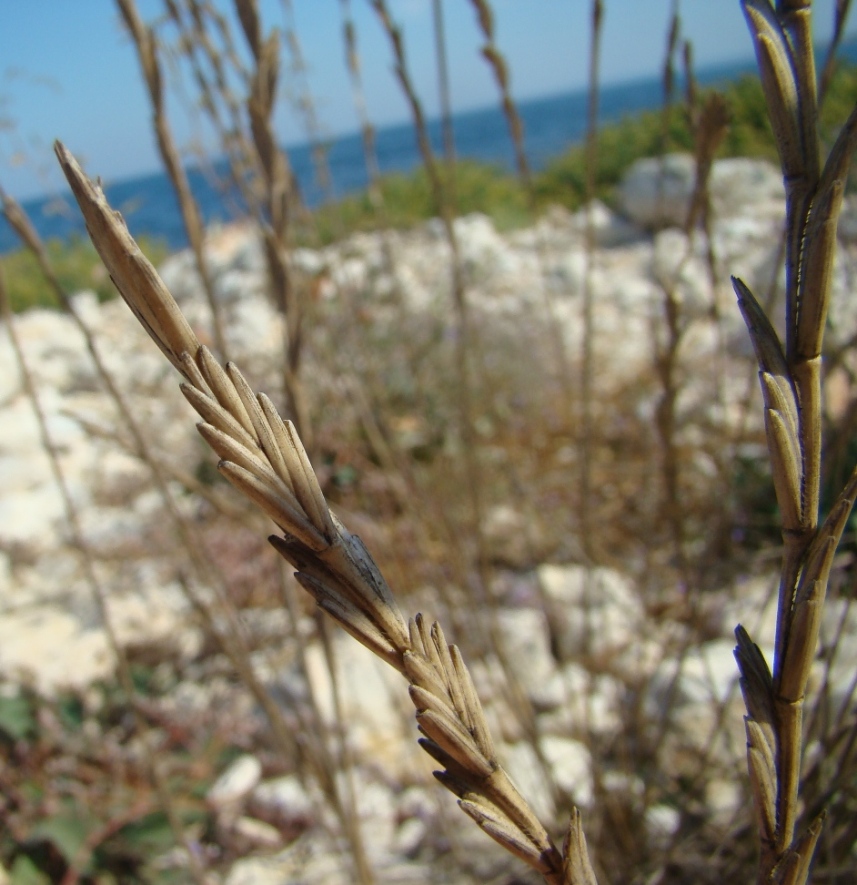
(419, 432)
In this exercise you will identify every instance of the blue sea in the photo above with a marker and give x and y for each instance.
(551, 125)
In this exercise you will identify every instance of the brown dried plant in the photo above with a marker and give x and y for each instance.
(262, 456)
(791, 387)
(147, 49)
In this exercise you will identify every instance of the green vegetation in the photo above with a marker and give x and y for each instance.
(76, 265)
(408, 200)
(620, 144)
(495, 191)
(479, 187)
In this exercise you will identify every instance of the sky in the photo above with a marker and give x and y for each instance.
(68, 70)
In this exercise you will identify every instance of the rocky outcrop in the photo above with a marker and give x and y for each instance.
(584, 642)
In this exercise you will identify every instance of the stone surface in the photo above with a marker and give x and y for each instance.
(236, 781)
(595, 655)
(597, 611)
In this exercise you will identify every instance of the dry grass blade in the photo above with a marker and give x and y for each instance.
(228, 449)
(473, 706)
(351, 618)
(763, 780)
(132, 273)
(448, 733)
(785, 454)
(756, 682)
(766, 343)
(809, 599)
(217, 416)
(794, 869)
(492, 821)
(277, 507)
(223, 389)
(820, 241)
(333, 565)
(422, 674)
(779, 81)
(577, 869)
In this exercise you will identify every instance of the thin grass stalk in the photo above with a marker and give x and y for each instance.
(491, 53)
(345, 755)
(367, 131)
(466, 343)
(231, 640)
(666, 359)
(338, 571)
(500, 69)
(840, 18)
(99, 596)
(465, 339)
(306, 105)
(216, 99)
(791, 383)
(315, 729)
(280, 192)
(587, 374)
(444, 94)
(438, 518)
(145, 43)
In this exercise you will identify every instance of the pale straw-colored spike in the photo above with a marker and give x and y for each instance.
(351, 619)
(817, 269)
(803, 638)
(275, 506)
(213, 413)
(223, 389)
(226, 448)
(794, 868)
(416, 638)
(449, 674)
(779, 395)
(504, 831)
(449, 735)
(251, 405)
(430, 649)
(576, 865)
(763, 778)
(820, 239)
(281, 439)
(306, 484)
(786, 468)
(191, 371)
(427, 700)
(421, 672)
(132, 273)
(476, 720)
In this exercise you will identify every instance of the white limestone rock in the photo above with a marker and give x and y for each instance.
(597, 612)
(235, 782)
(655, 192)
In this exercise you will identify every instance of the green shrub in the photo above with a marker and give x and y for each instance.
(408, 200)
(76, 265)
